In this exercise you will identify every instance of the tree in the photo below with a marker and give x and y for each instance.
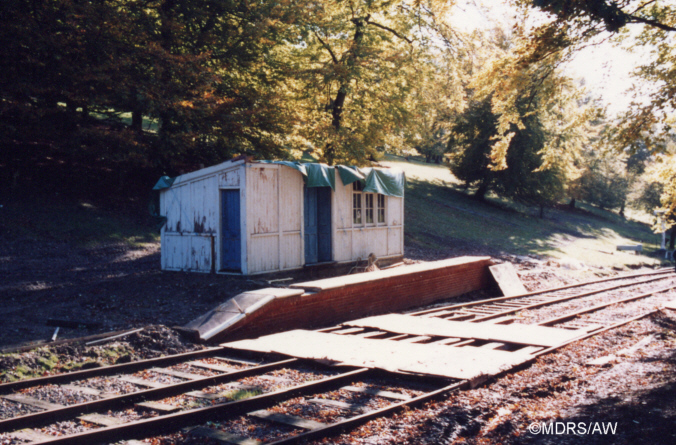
(358, 64)
(523, 130)
(579, 22)
(470, 145)
(603, 181)
(206, 71)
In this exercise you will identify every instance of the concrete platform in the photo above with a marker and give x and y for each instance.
(322, 303)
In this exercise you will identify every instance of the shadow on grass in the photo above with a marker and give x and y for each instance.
(75, 221)
(443, 217)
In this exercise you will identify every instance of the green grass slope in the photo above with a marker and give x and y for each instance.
(441, 217)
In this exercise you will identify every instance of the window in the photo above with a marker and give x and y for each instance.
(381, 209)
(356, 208)
(368, 210)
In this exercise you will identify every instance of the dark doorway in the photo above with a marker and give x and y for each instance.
(317, 225)
(231, 242)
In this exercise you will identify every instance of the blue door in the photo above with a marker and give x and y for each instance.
(317, 225)
(231, 242)
(324, 224)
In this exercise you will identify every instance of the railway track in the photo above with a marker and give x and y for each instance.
(222, 395)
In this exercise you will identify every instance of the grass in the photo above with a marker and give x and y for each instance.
(73, 221)
(439, 215)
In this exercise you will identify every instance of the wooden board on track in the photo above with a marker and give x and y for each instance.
(438, 327)
(507, 279)
(426, 359)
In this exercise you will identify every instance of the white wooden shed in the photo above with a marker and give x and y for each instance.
(251, 217)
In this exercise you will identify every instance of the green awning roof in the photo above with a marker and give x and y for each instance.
(164, 183)
(375, 180)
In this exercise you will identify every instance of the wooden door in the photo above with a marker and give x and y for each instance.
(231, 238)
(317, 225)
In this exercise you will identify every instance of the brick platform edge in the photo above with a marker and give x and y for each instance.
(321, 303)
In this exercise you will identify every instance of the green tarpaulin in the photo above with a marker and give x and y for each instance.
(374, 180)
(320, 175)
(385, 183)
(164, 183)
(349, 174)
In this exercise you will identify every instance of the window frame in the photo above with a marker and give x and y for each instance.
(382, 208)
(365, 204)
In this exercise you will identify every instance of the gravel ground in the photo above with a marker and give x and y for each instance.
(635, 393)
(118, 288)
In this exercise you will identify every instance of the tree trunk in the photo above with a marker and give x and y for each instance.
(137, 121)
(339, 102)
(542, 211)
(672, 238)
(571, 204)
(480, 193)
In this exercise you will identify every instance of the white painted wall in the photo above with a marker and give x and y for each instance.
(271, 211)
(353, 241)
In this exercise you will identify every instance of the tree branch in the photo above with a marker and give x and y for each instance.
(653, 23)
(328, 48)
(368, 21)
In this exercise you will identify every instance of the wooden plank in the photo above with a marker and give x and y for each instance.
(239, 361)
(140, 382)
(333, 403)
(437, 327)
(502, 320)
(204, 395)
(101, 419)
(634, 248)
(286, 419)
(416, 339)
(372, 334)
(348, 331)
(219, 368)
(32, 401)
(274, 378)
(446, 341)
(222, 437)
(377, 392)
(671, 305)
(83, 389)
(393, 356)
(31, 435)
(157, 406)
(507, 279)
(397, 337)
(179, 374)
(492, 345)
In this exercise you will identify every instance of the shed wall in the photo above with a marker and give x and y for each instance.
(189, 236)
(272, 229)
(274, 215)
(356, 241)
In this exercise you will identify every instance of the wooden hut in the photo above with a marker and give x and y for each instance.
(249, 217)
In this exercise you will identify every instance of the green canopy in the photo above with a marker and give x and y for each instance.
(385, 182)
(164, 183)
(320, 175)
(375, 180)
(349, 174)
